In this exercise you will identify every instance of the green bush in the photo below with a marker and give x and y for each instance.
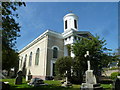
(113, 68)
(114, 75)
(58, 77)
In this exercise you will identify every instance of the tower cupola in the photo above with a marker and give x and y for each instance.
(70, 22)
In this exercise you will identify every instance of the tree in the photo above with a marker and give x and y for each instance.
(69, 49)
(64, 64)
(10, 31)
(97, 58)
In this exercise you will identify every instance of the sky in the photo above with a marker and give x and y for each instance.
(99, 18)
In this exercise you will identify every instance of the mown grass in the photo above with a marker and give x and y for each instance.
(107, 86)
(53, 85)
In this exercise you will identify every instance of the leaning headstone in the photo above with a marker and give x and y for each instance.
(18, 79)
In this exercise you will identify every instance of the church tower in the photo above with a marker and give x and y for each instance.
(70, 27)
(70, 22)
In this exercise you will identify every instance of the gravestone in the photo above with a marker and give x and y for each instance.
(18, 79)
(117, 83)
(66, 83)
(90, 77)
(90, 80)
(36, 82)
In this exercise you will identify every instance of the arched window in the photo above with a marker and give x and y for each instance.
(25, 60)
(21, 62)
(24, 66)
(30, 59)
(66, 24)
(37, 57)
(55, 52)
(75, 23)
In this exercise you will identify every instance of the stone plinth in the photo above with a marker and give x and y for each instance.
(66, 84)
(87, 86)
(90, 81)
(90, 78)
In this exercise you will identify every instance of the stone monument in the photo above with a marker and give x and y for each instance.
(66, 83)
(18, 79)
(90, 78)
(117, 83)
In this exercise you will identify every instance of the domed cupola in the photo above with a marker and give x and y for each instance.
(70, 22)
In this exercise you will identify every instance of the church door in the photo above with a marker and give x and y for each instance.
(54, 70)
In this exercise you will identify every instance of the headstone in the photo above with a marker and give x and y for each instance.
(36, 82)
(90, 78)
(117, 83)
(66, 83)
(5, 86)
(18, 79)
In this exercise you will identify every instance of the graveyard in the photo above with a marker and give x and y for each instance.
(53, 85)
(65, 59)
(90, 82)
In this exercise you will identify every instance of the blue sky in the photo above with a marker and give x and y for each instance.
(99, 18)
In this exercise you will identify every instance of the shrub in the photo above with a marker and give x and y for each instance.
(113, 68)
(114, 75)
(106, 81)
(49, 77)
(75, 80)
(58, 77)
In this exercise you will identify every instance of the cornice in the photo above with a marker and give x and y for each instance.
(46, 33)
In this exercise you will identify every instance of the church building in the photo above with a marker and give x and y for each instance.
(38, 58)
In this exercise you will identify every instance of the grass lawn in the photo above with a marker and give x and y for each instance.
(53, 85)
(107, 86)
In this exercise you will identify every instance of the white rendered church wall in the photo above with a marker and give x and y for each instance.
(70, 40)
(40, 69)
(65, 51)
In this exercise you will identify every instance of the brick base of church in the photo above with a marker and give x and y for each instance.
(41, 77)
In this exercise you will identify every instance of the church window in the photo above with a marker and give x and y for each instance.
(75, 23)
(24, 65)
(69, 38)
(30, 59)
(55, 52)
(66, 24)
(37, 57)
(21, 62)
(75, 37)
(54, 74)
